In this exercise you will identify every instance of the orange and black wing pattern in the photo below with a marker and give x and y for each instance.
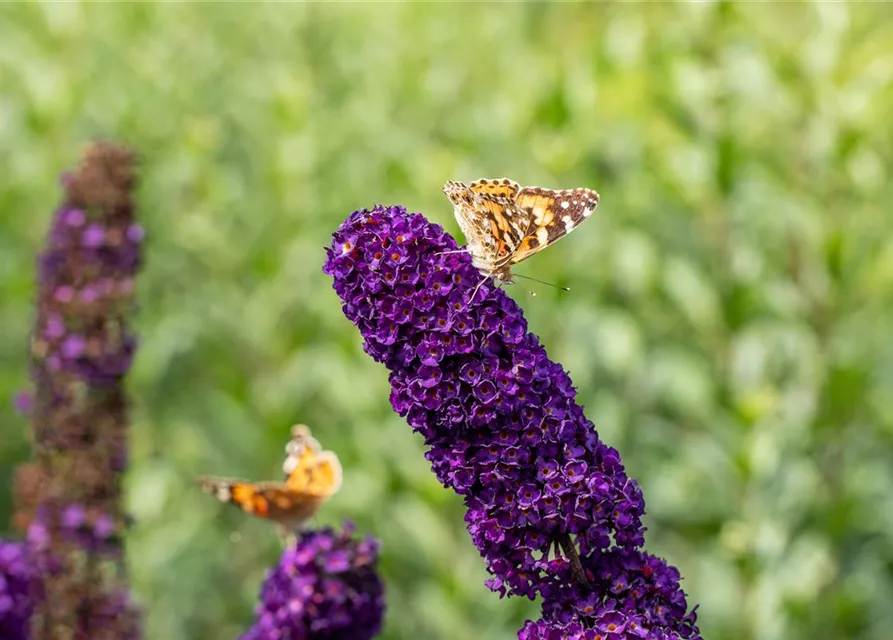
(312, 476)
(308, 469)
(486, 213)
(552, 214)
(505, 223)
(270, 500)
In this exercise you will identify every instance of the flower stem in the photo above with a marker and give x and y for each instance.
(570, 552)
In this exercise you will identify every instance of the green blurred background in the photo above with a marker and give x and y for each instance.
(728, 324)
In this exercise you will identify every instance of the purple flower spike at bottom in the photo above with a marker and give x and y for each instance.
(324, 588)
(634, 595)
(16, 585)
(499, 418)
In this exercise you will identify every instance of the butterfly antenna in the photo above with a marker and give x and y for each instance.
(548, 284)
(446, 253)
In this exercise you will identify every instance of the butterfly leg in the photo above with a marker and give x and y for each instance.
(487, 277)
(286, 535)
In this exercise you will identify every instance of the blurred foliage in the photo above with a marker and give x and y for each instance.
(731, 303)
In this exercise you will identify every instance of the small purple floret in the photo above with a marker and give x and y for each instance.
(74, 217)
(23, 401)
(93, 236)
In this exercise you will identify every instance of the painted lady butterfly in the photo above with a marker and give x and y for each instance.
(505, 223)
(312, 476)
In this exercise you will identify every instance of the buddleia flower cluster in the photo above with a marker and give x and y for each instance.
(69, 497)
(325, 587)
(503, 430)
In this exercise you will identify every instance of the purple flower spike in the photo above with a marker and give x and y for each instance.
(69, 497)
(325, 588)
(500, 420)
(503, 384)
(16, 585)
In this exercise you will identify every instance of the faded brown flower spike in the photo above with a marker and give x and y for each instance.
(69, 496)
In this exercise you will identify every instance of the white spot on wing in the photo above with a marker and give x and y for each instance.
(538, 214)
(565, 204)
(568, 224)
(542, 236)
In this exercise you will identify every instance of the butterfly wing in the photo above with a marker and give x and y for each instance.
(269, 500)
(316, 474)
(500, 188)
(470, 210)
(310, 471)
(312, 476)
(503, 223)
(550, 214)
